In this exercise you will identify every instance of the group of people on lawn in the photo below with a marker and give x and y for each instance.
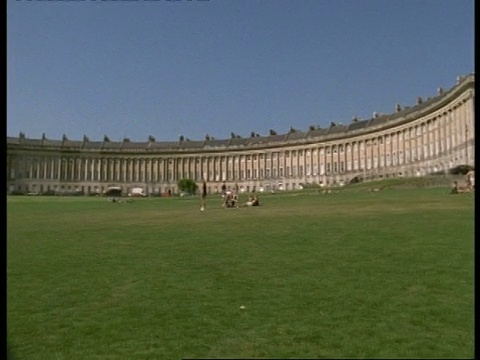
(229, 197)
(469, 184)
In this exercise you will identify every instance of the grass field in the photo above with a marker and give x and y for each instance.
(354, 274)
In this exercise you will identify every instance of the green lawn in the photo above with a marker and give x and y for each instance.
(355, 274)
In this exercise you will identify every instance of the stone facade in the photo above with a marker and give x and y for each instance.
(434, 135)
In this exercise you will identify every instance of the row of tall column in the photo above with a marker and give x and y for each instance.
(446, 133)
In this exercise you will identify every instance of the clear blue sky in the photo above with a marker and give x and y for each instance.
(170, 68)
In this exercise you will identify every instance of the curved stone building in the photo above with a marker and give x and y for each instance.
(434, 135)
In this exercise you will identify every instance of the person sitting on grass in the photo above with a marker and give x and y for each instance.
(232, 199)
(252, 201)
(457, 189)
(454, 189)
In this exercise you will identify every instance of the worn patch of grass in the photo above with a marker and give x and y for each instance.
(355, 274)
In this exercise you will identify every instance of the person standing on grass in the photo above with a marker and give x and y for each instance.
(224, 194)
(237, 194)
(203, 199)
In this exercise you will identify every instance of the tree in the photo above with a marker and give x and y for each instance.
(188, 185)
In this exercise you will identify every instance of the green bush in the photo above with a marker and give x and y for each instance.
(188, 186)
(461, 169)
